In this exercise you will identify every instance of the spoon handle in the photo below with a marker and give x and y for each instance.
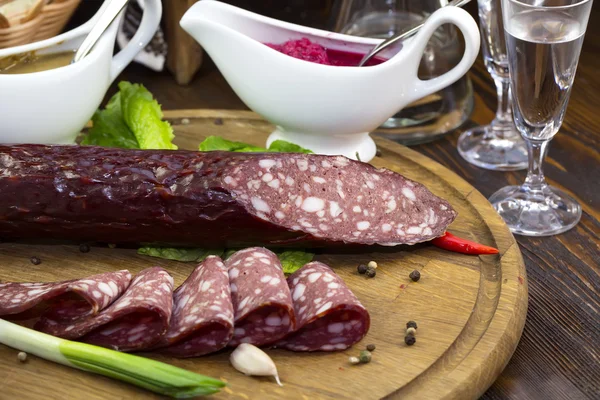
(404, 35)
(108, 16)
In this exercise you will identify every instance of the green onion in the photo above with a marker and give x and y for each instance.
(152, 375)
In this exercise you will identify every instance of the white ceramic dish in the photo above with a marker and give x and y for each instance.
(328, 109)
(52, 107)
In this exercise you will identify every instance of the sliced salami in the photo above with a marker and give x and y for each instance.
(136, 321)
(261, 298)
(330, 317)
(202, 319)
(65, 300)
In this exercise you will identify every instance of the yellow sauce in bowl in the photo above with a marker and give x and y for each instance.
(31, 62)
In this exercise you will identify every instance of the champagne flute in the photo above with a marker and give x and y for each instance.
(544, 39)
(497, 146)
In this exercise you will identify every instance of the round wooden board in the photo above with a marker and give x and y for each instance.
(470, 310)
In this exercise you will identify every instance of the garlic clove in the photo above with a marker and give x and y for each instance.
(250, 360)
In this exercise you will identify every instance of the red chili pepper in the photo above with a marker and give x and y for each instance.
(452, 243)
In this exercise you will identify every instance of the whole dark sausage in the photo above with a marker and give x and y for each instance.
(211, 199)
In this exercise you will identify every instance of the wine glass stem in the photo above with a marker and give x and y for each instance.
(536, 150)
(504, 111)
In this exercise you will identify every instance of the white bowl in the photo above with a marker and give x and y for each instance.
(51, 107)
(328, 109)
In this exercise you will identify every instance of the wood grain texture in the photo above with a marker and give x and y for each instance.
(470, 310)
(184, 56)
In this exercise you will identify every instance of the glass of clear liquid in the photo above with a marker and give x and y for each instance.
(497, 146)
(544, 39)
(439, 113)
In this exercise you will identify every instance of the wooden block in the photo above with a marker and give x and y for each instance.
(184, 56)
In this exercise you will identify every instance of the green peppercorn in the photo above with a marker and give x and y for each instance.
(371, 272)
(365, 356)
(35, 260)
(409, 340)
(371, 347)
(112, 245)
(411, 324)
(84, 248)
(415, 276)
(362, 268)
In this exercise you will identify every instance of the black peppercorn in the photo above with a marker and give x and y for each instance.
(218, 121)
(371, 347)
(371, 272)
(362, 268)
(84, 248)
(415, 275)
(35, 260)
(411, 324)
(409, 340)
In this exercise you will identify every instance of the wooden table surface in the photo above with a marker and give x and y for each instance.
(559, 353)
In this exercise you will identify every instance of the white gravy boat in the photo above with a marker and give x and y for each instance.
(52, 106)
(328, 109)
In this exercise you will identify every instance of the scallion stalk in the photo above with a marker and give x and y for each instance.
(149, 374)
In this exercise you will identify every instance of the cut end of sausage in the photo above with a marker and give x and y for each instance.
(336, 199)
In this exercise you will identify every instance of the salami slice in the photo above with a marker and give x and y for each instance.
(261, 298)
(330, 317)
(211, 199)
(65, 300)
(136, 321)
(202, 319)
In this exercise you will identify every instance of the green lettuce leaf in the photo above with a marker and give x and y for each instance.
(213, 143)
(132, 119)
(109, 129)
(179, 254)
(281, 146)
(293, 260)
(229, 253)
(143, 116)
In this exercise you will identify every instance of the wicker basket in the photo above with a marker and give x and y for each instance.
(48, 23)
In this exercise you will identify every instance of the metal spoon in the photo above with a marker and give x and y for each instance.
(113, 8)
(404, 35)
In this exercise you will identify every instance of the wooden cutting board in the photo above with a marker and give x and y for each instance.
(470, 310)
